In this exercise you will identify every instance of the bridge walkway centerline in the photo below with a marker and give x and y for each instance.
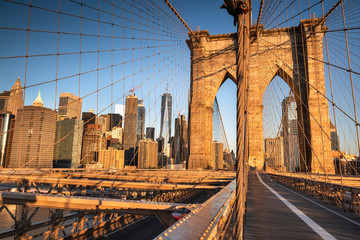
(267, 217)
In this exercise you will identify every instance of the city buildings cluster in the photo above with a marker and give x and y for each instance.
(39, 137)
(282, 152)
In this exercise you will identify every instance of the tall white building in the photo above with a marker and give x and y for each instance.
(140, 123)
(166, 112)
(290, 134)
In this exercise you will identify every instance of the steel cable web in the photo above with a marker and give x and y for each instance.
(99, 51)
(340, 61)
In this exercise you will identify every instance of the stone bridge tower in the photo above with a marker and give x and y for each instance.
(295, 54)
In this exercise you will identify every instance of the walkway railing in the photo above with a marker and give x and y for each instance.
(345, 195)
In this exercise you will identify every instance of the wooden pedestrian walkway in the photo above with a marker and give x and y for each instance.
(278, 212)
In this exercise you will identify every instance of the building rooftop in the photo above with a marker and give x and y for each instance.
(5, 93)
(38, 101)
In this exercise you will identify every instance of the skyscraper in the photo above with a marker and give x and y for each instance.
(115, 120)
(69, 106)
(107, 122)
(7, 122)
(34, 133)
(131, 109)
(11, 101)
(176, 142)
(166, 109)
(140, 120)
(289, 115)
(184, 139)
(334, 138)
(180, 148)
(150, 133)
(68, 142)
(88, 118)
(290, 134)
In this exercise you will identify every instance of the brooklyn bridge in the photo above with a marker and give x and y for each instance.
(123, 120)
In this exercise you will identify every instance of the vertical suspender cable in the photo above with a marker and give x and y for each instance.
(241, 14)
(351, 79)
(331, 88)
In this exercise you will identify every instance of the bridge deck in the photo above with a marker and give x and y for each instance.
(268, 217)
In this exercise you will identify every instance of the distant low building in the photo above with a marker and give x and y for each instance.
(228, 163)
(68, 142)
(162, 160)
(150, 133)
(111, 158)
(117, 133)
(167, 149)
(88, 118)
(148, 154)
(69, 106)
(101, 121)
(274, 152)
(92, 142)
(217, 156)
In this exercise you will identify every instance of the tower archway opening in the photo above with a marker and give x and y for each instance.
(281, 128)
(224, 126)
